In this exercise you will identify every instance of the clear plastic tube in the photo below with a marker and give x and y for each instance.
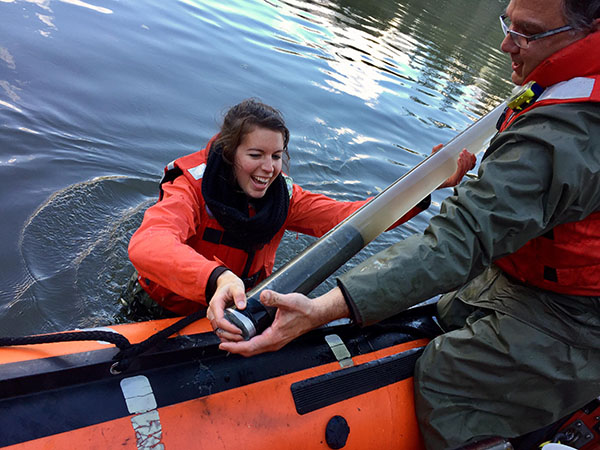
(406, 192)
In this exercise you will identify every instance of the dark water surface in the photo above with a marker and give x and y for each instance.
(95, 98)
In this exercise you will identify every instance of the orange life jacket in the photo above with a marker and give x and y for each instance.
(211, 238)
(567, 258)
(251, 267)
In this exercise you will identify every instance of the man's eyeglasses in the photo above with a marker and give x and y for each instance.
(523, 40)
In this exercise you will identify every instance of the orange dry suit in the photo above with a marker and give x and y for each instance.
(567, 258)
(180, 243)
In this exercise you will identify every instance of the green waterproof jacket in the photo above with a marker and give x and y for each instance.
(544, 170)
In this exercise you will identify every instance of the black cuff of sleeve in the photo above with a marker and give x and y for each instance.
(354, 315)
(425, 203)
(211, 285)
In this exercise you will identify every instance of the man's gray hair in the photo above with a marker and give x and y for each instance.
(581, 14)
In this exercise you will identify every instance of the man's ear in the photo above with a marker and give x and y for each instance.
(597, 24)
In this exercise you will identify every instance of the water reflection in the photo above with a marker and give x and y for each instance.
(353, 54)
(7, 58)
(45, 4)
(9, 105)
(48, 19)
(10, 91)
(376, 48)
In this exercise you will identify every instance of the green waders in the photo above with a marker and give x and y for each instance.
(497, 376)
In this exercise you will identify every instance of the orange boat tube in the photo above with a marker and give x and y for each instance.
(336, 387)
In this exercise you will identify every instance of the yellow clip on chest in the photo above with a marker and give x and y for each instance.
(523, 96)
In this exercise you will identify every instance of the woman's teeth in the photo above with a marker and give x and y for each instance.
(260, 180)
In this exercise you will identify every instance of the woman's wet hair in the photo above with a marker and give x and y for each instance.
(244, 118)
(580, 14)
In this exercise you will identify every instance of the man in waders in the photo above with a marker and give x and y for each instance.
(518, 248)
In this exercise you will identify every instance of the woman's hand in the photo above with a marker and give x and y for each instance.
(230, 290)
(466, 161)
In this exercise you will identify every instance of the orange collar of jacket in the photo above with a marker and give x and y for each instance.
(574, 60)
(570, 62)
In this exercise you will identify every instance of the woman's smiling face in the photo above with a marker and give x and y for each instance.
(258, 161)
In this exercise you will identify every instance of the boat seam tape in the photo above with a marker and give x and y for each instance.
(141, 402)
(339, 349)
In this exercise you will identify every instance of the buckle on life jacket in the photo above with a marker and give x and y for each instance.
(523, 96)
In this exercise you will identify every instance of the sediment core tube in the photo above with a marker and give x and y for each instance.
(311, 267)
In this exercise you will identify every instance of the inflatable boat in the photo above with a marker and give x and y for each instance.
(336, 387)
(143, 386)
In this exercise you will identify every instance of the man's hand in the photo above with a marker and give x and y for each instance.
(466, 161)
(296, 314)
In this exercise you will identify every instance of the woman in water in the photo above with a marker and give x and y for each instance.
(222, 212)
